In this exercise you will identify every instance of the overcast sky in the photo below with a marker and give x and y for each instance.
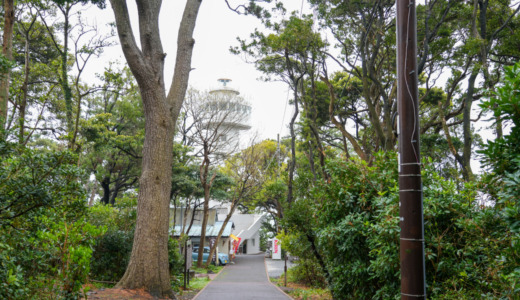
(216, 31)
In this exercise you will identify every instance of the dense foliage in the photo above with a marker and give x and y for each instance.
(354, 231)
(45, 239)
(71, 150)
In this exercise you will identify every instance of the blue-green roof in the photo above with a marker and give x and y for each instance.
(210, 230)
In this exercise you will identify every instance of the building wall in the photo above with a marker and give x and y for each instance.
(180, 212)
(225, 245)
(253, 244)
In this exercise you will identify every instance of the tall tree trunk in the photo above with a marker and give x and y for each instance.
(204, 226)
(207, 189)
(311, 163)
(64, 75)
(23, 103)
(7, 51)
(467, 173)
(192, 219)
(292, 163)
(174, 209)
(498, 128)
(148, 265)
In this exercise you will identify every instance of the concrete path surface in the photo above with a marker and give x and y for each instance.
(276, 267)
(245, 280)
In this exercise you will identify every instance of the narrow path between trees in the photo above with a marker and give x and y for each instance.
(246, 279)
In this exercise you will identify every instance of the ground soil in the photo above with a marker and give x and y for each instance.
(123, 294)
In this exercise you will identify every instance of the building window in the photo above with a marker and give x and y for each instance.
(253, 241)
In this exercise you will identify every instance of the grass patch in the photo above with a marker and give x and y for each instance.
(212, 268)
(301, 291)
(198, 283)
(199, 270)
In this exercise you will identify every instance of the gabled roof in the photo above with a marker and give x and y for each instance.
(211, 231)
(247, 225)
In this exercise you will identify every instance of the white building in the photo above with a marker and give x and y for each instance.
(247, 228)
(230, 113)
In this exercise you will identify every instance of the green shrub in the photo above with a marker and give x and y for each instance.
(350, 225)
(12, 283)
(111, 252)
(175, 258)
(111, 255)
(45, 239)
(70, 245)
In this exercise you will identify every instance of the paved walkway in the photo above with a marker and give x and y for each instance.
(246, 280)
(276, 267)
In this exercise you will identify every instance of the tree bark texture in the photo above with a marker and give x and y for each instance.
(207, 184)
(292, 163)
(467, 173)
(148, 265)
(23, 103)
(7, 51)
(204, 225)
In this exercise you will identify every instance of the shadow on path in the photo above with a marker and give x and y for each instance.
(246, 279)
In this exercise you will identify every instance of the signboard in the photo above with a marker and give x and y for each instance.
(277, 249)
(188, 256)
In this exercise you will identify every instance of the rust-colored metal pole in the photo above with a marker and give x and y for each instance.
(410, 187)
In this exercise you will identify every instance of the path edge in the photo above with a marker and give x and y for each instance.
(209, 283)
(269, 279)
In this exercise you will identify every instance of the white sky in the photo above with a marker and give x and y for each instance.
(216, 30)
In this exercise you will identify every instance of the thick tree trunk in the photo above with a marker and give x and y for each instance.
(148, 265)
(7, 51)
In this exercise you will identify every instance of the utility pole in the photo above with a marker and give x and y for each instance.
(413, 275)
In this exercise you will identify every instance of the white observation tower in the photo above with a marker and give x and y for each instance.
(234, 115)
